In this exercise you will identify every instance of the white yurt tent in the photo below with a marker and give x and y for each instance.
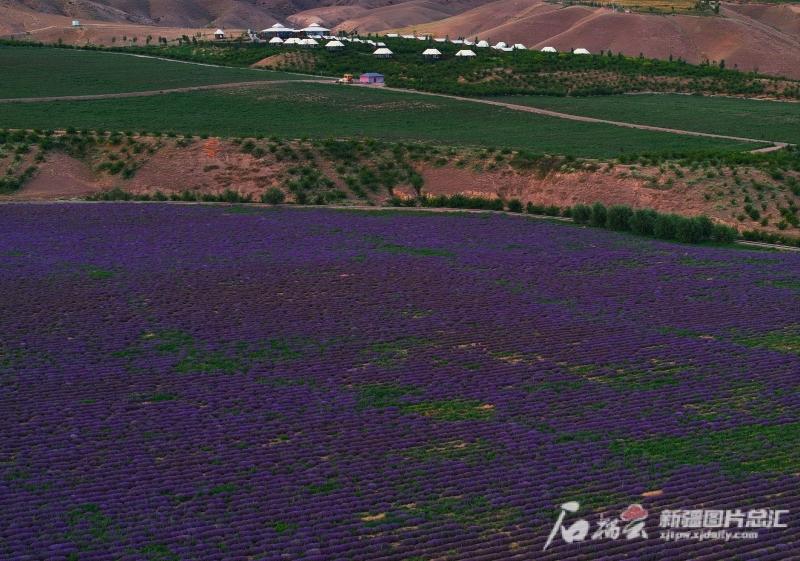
(432, 54)
(292, 41)
(581, 51)
(499, 45)
(308, 42)
(277, 30)
(520, 47)
(465, 53)
(549, 50)
(315, 30)
(382, 52)
(482, 44)
(334, 45)
(275, 41)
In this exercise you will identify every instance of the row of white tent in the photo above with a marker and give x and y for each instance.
(316, 31)
(468, 53)
(483, 44)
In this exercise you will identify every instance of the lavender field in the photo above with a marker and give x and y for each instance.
(239, 383)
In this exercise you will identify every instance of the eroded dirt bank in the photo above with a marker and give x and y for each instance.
(369, 172)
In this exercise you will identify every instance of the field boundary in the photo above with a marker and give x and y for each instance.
(377, 209)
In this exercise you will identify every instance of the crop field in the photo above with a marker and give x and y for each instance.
(329, 111)
(661, 6)
(767, 120)
(225, 383)
(39, 72)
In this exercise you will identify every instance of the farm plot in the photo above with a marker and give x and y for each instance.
(40, 72)
(328, 111)
(767, 120)
(215, 383)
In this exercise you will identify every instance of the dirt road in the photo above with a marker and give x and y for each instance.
(775, 145)
(149, 93)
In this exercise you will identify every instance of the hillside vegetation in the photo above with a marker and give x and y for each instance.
(749, 191)
(497, 73)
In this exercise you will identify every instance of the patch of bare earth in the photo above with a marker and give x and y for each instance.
(61, 176)
(208, 166)
(691, 195)
(286, 60)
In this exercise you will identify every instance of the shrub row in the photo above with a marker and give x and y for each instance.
(646, 222)
(461, 201)
(272, 196)
(621, 218)
(766, 237)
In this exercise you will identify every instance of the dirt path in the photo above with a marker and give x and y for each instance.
(775, 145)
(148, 93)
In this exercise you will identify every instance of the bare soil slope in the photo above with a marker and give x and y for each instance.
(214, 165)
(25, 24)
(750, 37)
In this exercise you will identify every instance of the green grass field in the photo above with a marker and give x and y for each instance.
(37, 72)
(323, 111)
(769, 120)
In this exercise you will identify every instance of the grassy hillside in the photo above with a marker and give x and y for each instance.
(36, 71)
(735, 117)
(323, 111)
(653, 6)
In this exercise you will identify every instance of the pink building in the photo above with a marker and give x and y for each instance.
(371, 78)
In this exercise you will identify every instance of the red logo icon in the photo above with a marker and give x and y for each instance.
(633, 512)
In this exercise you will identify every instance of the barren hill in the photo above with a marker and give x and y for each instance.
(766, 38)
(749, 36)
